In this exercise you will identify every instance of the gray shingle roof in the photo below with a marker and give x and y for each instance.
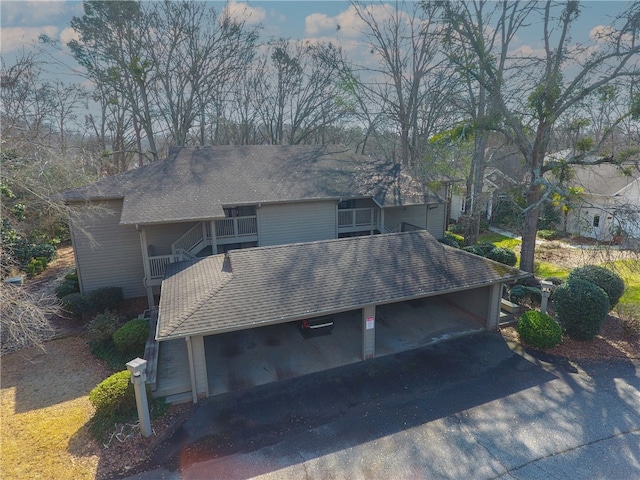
(260, 286)
(194, 183)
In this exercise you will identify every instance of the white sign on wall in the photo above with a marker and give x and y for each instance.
(371, 323)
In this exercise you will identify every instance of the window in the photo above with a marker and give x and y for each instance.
(596, 220)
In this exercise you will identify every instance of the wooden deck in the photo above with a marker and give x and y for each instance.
(172, 376)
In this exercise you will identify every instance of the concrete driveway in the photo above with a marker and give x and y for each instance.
(468, 408)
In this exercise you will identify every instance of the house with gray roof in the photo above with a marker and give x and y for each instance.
(237, 244)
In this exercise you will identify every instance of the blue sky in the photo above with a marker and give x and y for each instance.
(23, 21)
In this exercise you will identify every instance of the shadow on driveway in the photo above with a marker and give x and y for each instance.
(361, 403)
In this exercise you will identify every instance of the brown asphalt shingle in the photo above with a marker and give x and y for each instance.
(261, 286)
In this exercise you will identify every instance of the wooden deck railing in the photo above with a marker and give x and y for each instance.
(194, 236)
(158, 264)
(237, 227)
(358, 217)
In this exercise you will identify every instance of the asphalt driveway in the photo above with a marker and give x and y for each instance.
(468, 408)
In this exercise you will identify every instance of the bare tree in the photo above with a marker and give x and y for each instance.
(536, 90)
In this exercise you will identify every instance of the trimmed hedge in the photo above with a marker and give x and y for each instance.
(607, 280)
(449, 241)
(132, 336)
(539, 329)
(581, 307)
(103, 326)
(521, 294)
(115, 395)
(77, 304)
(502, 255)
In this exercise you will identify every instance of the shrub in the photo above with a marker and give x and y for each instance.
(549, 234)
(34, 267)
(114, 396)
(522, 294)
(132, 336)
(607, 280)
(77, 304)
(475, 249)
(106, 298)
(103, 326)
(630, 319)
(503, 255)
(459, 239)
(73, 276)
(456, 228)
(581, 307)
(555, 280)
(449, 241)
(67, 287)
(539, 329)
(24, 251)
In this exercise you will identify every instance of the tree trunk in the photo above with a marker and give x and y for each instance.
(530, 230)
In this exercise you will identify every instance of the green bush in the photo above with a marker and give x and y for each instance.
(581, 307)
(77, 304)
(67, 287)
(475, 249)
(502, 255)
(114, 396)
(24, 251)
(34, 267)
(539, 329)
(607, 280)
(106, 298)
(522, 294)
(449, 241)
(73, 276)
(550, 234)
(132, 336)
(103, 326)
(456, 228)
(555, 280)
(459, 239)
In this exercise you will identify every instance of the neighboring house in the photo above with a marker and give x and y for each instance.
(608, 205)
(338, 234)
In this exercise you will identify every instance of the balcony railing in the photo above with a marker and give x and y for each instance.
(358, 217)
(237, 227)
(158, 264)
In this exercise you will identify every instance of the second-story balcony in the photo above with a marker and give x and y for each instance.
(358, 219)
(237, 227)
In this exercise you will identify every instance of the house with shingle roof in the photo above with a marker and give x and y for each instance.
(245, 238)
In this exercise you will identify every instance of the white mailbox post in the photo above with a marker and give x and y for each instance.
(545, 289)
(138, 369)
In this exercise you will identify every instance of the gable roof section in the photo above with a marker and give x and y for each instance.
(260, 286)
(605, 179)
(195, 183)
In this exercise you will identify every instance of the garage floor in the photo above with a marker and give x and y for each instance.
(247, 358)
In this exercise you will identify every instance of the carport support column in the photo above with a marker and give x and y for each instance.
(368, 332)
(493, 313)
(192, 371)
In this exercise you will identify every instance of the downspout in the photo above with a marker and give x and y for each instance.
(145, 263)
(192, 371)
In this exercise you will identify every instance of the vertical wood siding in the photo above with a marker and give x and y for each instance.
(297, 222)
(112, 257)
(436, 220)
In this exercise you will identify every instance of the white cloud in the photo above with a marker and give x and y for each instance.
(350, 23)
(68, 34)
(243, 12)
(14, 38)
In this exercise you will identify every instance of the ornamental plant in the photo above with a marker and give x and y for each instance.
(580, 307)
(607, 280)
(539, 329)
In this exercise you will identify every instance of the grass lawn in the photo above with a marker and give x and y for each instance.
(43, 411)
(629, 270)
(500, 240)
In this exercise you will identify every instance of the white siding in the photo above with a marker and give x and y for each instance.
(108, 254)
(200, 364)
(297, 222)
(436, 220)
(160, 237)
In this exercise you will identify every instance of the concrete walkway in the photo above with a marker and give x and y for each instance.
(467, 408)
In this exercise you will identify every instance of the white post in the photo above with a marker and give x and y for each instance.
(138, 369)
(545, 290)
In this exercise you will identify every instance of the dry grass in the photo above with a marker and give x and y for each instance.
(44, 410)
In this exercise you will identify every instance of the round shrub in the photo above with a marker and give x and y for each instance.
(449, 241)
(67, 287)
(459, 239)
(539, 329)
(522, 294)
(549, 234)
(580, 307)
(106, 298)
(114, 396)
(607, 280)
(475, 249)
(131, 337)
(103, 326)
(503, 255)
(77, 304)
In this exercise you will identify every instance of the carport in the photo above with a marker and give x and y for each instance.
(237, 313)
